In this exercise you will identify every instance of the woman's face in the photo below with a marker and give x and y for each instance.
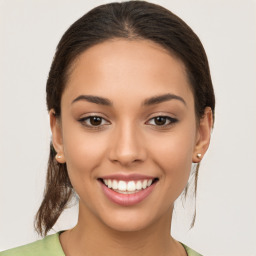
(127, 120)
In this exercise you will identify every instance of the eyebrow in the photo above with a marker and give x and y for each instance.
(162, 98)
(147, 102)
(94, 99)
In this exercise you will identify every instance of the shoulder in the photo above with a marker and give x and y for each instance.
(50, 246)
(190, 252)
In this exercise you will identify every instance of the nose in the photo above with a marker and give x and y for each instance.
(126, 146)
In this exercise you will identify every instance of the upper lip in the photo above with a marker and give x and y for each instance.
(127, 177)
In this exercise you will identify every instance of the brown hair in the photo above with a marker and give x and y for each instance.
(132, 20)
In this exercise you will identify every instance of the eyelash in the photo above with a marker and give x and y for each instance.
(84, 121)
(171, 121)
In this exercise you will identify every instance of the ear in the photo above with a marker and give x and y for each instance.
(57, 141)
(203, 135)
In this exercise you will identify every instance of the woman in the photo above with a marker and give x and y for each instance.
(131, 107)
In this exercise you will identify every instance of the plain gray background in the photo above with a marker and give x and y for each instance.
(226, 205)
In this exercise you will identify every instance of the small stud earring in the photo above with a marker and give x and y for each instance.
(199, 155)
(58, 156)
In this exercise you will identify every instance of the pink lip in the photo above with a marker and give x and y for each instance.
(127, 177)
(127, 199)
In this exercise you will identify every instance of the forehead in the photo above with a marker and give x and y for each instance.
(137, 66)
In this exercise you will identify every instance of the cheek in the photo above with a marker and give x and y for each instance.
(173, 154)
(83, 152)
(175, 159)
(175, 149)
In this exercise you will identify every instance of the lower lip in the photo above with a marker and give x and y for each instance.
(127, 199)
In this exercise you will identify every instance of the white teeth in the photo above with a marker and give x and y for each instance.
(144, 184)
(149, 182)
(125, 192)
(139, 185)
(122, 185)
(114, 184)
(109, 184)
(131, 186)
(127, 187)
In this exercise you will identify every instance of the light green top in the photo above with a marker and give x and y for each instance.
(50, 246)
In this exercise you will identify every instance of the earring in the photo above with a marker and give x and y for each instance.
(199, 156)
(59, 157)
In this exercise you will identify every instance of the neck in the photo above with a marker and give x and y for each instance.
(92, 237)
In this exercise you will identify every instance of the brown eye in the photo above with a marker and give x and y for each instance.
(162, 121)
(95, 120)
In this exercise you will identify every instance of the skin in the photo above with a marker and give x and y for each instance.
(128, 140)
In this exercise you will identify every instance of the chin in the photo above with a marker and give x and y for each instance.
(125, 226)
(128, 221)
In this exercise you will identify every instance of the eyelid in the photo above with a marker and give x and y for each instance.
(172, 121)
(84, 118)
(92, 114)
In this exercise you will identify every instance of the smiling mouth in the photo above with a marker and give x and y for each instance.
(128, 187)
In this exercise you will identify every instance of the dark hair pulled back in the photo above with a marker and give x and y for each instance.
(132, 20)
